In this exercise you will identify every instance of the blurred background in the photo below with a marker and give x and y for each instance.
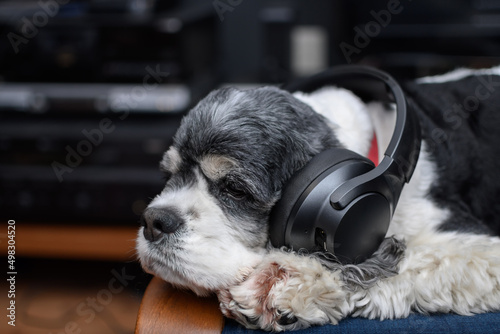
(91, 93)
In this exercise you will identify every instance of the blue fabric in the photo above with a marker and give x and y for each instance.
(436, 324)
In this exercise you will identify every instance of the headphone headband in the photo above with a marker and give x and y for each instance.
(401, 155)
(339, 202)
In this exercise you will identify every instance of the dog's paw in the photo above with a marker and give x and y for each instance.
(286, 292)
(252, 302)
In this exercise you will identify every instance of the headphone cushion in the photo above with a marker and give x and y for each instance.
(298, 183)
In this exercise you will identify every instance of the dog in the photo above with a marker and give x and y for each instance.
(207, 231)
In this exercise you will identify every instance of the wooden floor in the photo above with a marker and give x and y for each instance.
(75, 296)
(73, 279)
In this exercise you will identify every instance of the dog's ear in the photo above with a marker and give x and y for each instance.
(382, 264)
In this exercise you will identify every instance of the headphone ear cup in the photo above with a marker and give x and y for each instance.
(299, 183)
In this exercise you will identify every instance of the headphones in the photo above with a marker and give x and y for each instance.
(339, 202)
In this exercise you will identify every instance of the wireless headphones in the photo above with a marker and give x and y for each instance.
(340, 202)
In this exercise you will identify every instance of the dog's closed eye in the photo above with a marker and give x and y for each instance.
(234, 189)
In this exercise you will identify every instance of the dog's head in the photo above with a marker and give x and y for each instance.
(225, 170)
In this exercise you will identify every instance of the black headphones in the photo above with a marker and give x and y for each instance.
(340, 202)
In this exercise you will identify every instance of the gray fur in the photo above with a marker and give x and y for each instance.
(269, 134)
(230, 159)
(382, 264)
(266, 131)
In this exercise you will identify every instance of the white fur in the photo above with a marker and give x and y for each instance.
(383, 121)
(348, 116)
(416, 213)
(440, 272)
(458, 74)
(303, 289)
(208, 254)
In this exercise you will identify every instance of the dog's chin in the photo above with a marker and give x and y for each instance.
(214, 270)
(183, 282)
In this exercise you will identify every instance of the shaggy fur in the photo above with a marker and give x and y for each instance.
(208, 229)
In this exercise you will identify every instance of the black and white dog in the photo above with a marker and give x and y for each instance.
(208, 229)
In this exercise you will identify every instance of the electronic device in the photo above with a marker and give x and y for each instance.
(340, 202)
(91, 94)
(62, 73)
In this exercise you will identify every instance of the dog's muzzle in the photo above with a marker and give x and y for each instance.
(159, 222)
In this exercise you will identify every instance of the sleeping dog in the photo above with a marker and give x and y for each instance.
(208, 229)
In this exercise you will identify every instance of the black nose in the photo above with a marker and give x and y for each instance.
(160, 221)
